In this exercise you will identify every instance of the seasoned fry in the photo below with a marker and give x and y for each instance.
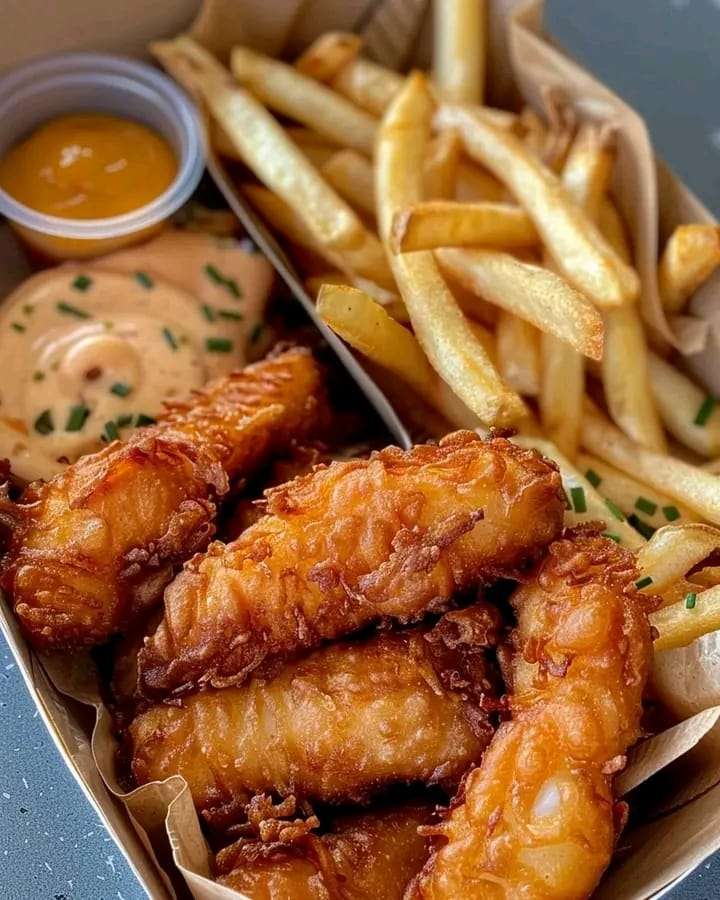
(578, 249)
(368, 85)
(562, 370)
(459, 49)
(537, 818)
(444, 223)
(351, 174)
(675, 550)
(94, 547)
(365, 325)
(518, 353)
(387, 537)
(691, 255)
(335, 726)
(535, 294)
(440, 168)
(439, 324)
(287, 91)
(681, 623)
(687, 484)
(689, 414)
(328, 54)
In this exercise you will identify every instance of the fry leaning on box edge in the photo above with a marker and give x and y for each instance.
(406, 673)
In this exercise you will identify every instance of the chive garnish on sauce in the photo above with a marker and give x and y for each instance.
(209, 313)
(612, 536)
(646, 506)
(256, 332)
(124, 420)
(671, 513)
(593, 477)
(705, 411)
(82, 282)
(643, 582)
(77, 417)
(577, 495)
(69, 310)
(230, 314)
(646, 530)
(218, 345)
(120, 389)
(615, 510)
(144, 279)
(111, 431)
(16, 326)
(690, 600)
(44, 423)
(143, 420)
(170, 338)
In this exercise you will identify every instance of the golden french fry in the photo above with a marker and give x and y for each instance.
(588, 167)
(287, 91)
(474, 183)
(317, 148)
(683, 622)
(612, 226)
(559, 138)
(446, 223)
(708, 576)
(577, 247)
(533, 131)
(328, 54)
(562, 368)
(390, 302)
(535, 294)
(441, 165)
(585, 504)
(368, 85)
(691, 255)
(441, 328)
(351, 174)
(518, 354)
(689, 414)
(689, 485)
(674, 550)
(459, 49)
(647, 508)
(365, 325)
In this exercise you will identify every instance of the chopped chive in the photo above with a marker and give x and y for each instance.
(256, 332)
(170, 338)
(230, 314)
(77, 417)
(17, 327)
(38, 376)
(615, 510)
(213, 274)
(577, 495)
(671, 513)
(612, 536)
(144, 279)
(69, 310)
(111, 432)
(209, 313)
(705, 411)
(228, 283)
(120, 389)
(82, 283)
(643, 582)
(690, 599)
(646, 506)
(647, 531)
(143, 420)
(124, 420)
(593, 477)
(28, 309)
(44, 423)
(218, 345)
(232, 286)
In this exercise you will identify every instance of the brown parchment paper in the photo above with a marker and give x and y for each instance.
(156, 826)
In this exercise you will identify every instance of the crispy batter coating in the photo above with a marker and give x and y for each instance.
(366, 856)
(335, 726)
(389, 537)
(97, 544)
(537, 820)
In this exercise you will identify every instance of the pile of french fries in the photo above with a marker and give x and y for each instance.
(476, 259)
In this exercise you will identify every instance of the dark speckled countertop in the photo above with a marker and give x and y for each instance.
(663, 57)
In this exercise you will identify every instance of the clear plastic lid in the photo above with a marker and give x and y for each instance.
(102, 83)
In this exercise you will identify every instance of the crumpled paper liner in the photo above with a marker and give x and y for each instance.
(156, 826)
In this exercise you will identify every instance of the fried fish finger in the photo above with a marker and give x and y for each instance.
(390, 537)
(97, 544)
(538, 819)
(365, 856)
(338, 725)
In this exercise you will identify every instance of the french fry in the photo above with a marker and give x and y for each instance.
(459, 49)
(446, 223)
(518, 354)
(287, 91)
(536, 295)
(473, 183)
(576, 246)
(674, 550)
(562, 368)
(351, 174)
(440, 327)
(441, 165)
(390, 302)
(646, 508)
(691, 255)
(559, 138)
(368, 85)
(681, 623)
(588, 167)
(328, 54)
(689, 414)
(584, 502)
(612, 226)
(365, 325)
(709, 576)
(534, 131)
(317, 148)
(689, 485)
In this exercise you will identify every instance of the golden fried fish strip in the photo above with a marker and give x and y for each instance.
(537, 820)
(389, 537)
(338, 725)
(98, 543)
(366, 856)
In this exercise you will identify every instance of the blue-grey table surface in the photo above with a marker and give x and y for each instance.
(663, 56)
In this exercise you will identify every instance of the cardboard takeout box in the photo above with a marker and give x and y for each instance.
(156, 826)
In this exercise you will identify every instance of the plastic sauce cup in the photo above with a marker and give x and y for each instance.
(53, 86)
